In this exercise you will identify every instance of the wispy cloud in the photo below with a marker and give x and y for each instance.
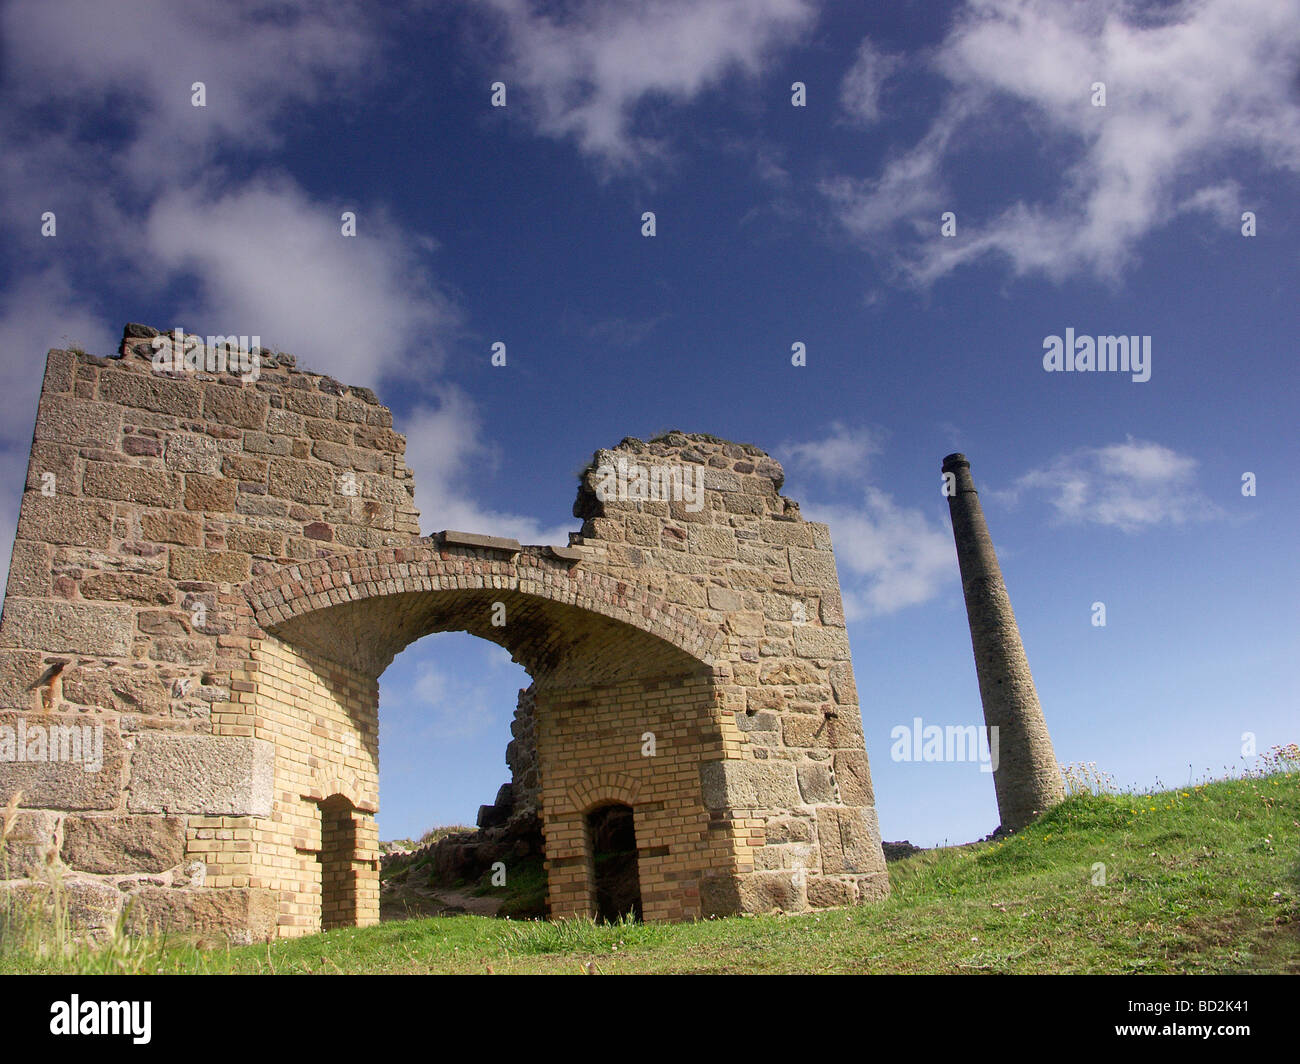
(585, 74)
(1131, 486)
(622, 332)
(446, 448)
(432, 703)
(889, 556)
(910, 191)
(893, 556)
(1190, 88)
(861, 87)
(38, 312)
(843, 453)
(255, 60)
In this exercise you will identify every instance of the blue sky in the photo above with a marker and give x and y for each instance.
(775, 224)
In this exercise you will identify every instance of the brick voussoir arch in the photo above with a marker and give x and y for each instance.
(348, 788)
(353, 576)
(603, 789)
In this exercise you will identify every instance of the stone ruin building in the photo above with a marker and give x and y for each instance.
(210, 574)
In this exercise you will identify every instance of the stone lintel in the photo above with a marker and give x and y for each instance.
(473, 539)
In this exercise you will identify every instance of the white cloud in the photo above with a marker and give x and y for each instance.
(137, 59)
(620, 332)
(842, 454)
(438, 699)
(889, 556)
(892, 556)
(860, 89)
(271, 261)
(770, 166)
(910, 188)
(1131, 486)
(446, 448)
(1187, 95)
(1222, 202)
(584, 75)
(39, 312)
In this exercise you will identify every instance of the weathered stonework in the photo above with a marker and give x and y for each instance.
(219, 571)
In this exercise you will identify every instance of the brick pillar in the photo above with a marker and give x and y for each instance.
(365, 869)
(1026, 776)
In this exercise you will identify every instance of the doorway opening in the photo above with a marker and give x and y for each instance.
(338, 877)
(461, 825)
(616, 877)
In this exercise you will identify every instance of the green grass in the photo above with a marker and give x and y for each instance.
(524, 893)
(428, 838)
(1199, 879)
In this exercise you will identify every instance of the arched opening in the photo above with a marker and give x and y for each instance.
(624, 702)
(343, 878)
(615, 870)
(459, 823)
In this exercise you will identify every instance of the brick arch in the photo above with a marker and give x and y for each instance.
(604, 789)
(327, 785)
(361, 608)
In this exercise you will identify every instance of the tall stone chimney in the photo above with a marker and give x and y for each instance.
(1026, 776)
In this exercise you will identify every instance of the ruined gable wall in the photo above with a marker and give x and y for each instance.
(150, 499)
(794, 783)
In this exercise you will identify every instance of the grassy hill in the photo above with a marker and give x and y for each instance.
(1199, 879)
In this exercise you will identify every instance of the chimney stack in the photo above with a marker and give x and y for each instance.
(1026, 777)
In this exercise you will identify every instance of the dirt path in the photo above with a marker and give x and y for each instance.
(403, 902)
